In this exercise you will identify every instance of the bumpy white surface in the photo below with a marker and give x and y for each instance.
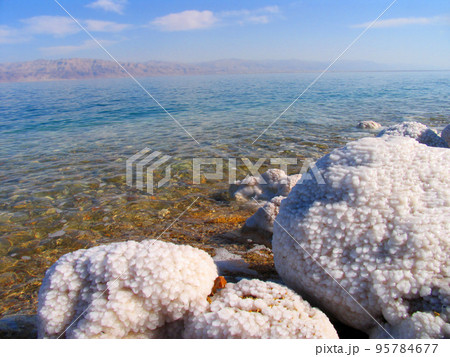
(263, 220)
(369, 124)
(380, 226)
(256, 309)
(419, 325)
(445, 135)
(273, 182)
(148, 285)
(415, 130)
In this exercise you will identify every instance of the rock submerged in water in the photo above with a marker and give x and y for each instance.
(272, 183)
(257, 309)
(127, 290)
(445, 135)
(368, 124)
(380, 226)
(263, 219)
(18, 326)
(272, 186)
(417, 131)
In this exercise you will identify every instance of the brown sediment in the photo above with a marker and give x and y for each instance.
(38, 231)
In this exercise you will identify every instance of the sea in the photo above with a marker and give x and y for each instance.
(64, 146)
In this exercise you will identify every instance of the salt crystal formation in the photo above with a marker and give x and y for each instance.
(419, 325)
(368, 124)
(256, 309)
(125, 290)
(264, 218)
(415, 130)
(380, 228)
(445, 135)
(273, 182)
(272, 186)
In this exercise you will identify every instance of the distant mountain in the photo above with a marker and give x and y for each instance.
(78, 68)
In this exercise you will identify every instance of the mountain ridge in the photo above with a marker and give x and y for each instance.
(86, 68)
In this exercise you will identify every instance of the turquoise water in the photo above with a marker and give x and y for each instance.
(63, 147)
(86, 126)
(68, 122)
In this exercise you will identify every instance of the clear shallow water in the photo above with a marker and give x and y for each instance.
(63, 147)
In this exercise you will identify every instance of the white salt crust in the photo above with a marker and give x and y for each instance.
(415, 130)
(150, 288)
(419, 325)
(277, 186)
(273, 182)
(380, 226)
(264, 217)
(257, 309)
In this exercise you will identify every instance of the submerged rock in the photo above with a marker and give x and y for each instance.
(262, 221)
(18, 326)
(377, 231)
(368, 124)
(417, 131)
(272, 186)
(273, 182)
(445, 135)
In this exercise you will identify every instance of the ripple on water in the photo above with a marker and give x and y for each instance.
(64, 147)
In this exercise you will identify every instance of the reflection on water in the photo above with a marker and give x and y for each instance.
(64, 145)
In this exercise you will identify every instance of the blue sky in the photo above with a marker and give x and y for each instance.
(411, 33)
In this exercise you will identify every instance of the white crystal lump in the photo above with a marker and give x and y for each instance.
(125, 290)
(415, 130)
(378, 230)
(273, 182)
(257, 309)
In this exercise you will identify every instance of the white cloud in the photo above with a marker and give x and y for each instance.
(104, 26)
(58, 26)
(69, 49)
(271, 9)
(405, 21)
(186, 20)
(250, 13)
(263, 15)
(263, 19)
(9, 35)
(109, 5)
(194, 19)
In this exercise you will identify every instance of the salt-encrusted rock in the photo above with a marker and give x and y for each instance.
(262, 221)
(419, 325)
(122, 290)
(415, 130)
(273, 182)
(272, 186)
(379, 226)
(257, 309)
(368, 124)
(445, 135)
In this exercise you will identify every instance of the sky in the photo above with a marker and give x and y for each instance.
(411, 33)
